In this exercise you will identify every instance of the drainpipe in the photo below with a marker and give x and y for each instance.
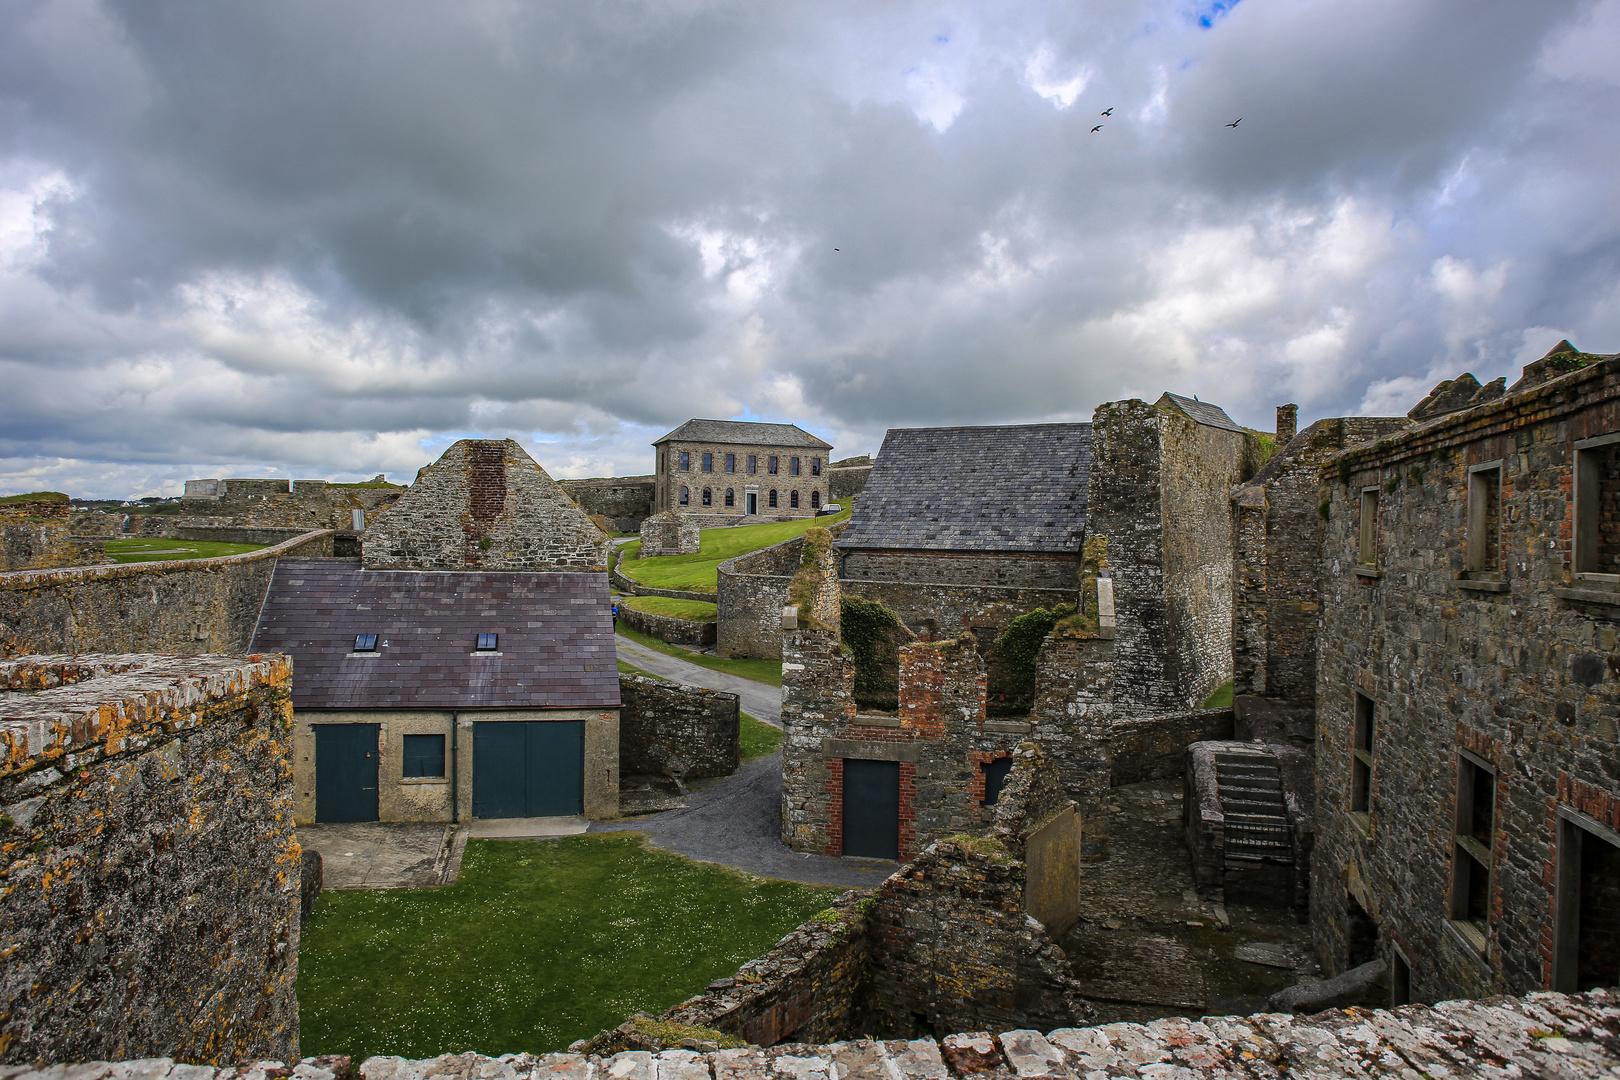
(455, 772)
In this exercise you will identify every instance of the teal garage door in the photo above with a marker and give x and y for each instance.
(524, 768)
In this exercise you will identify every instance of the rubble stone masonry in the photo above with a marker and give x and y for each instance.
(672, 729)
(1488, 701)
(151, 875)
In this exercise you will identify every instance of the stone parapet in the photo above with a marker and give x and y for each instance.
(672, 729)
(668, 627)
(1155, 747)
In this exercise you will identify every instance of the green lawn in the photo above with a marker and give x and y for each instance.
(696, 610)
(701, 572)
(1221, 698)
(765, 671)
(539, 943)
(631, 669)
(758, 737)
(138, 549)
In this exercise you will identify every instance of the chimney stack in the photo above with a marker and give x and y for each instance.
(1287, 422)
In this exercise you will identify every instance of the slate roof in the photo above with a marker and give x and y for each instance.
(1203, 412)
(556, 637)
(1016, 488)
(747, 432)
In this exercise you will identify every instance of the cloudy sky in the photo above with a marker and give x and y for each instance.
(325, 239)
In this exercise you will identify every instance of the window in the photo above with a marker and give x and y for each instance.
(731, 497)
(708, 463)
(815, 466)
(708, 497)
(1597, 507)
(815, 500)
(753, 463)
(365, 643)
(770, 464)
(1586, 954)
(1362, 756)
(1471, 843)
(731, 463)
(686, 461)
(1485, 518)
(995, 777)
(793, 466)
(686, 496)
(771, 502)
(488, 642)
(424, 755)
(1367, 555)
(793, 500)
(1400, 979)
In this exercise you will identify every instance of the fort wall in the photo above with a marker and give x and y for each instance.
(626, 501)
(671, 729)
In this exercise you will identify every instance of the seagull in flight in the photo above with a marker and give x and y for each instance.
(1107, 112)
(1096, 129)
(1234, 123)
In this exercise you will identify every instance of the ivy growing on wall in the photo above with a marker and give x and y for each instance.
(873, 635)
(1020, 644)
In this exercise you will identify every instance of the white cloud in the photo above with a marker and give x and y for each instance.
(1062, 90)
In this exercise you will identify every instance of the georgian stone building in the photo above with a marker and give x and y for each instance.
(737, 468)
(1468, 761)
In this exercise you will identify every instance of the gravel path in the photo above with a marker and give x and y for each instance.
(759, 700)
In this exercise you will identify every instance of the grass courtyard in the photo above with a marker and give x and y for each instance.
(539, 943)
(701, 572)
(131, 549)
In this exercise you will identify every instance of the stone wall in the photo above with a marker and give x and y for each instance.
(669, 533)
(671, 729)
(152, 877)
(847, 482)
(667, 627)
(1017, 570)
(185, 606)
(1073, 718)
(1155, 747)
(485, 505)
(626, 501)
(1507, 672)
(270, 503)
(37, 535)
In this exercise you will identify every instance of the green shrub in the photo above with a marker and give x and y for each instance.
(873, 635)
(1019, 645)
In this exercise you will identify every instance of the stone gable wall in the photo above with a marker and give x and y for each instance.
(485, 505)
(671, 729)
(1523, 678)
(151, 876)
(184, 606)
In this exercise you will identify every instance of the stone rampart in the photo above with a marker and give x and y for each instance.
(185, 606)
(1155, 747)
(846, 483)
(624, 500)
(671, 729)
(151, 875)
(668, 627)
(38, 535)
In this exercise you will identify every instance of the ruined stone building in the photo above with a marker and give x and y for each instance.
(465, 666)
(730, 469)
(279, 503)
(1468, 762)
(36, 533)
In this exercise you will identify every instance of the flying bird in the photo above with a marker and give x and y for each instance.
(1097, 128)
(1107, 112)
(835, 249)
(1235, 123)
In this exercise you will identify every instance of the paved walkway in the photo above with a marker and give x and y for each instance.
(759, 700)
(380, 855)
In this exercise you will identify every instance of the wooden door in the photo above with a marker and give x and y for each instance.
(346, 772)
(872, 808)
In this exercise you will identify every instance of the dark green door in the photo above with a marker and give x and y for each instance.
(345, 772)
(528, 768)
(872, 808)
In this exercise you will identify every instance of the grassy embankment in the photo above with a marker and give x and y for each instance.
(155, 549)
(701, 572)
(694, 610)
(539, 943)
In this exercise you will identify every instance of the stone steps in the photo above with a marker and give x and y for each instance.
(1251, 792)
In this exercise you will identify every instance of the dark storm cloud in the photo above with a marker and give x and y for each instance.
(324, 239)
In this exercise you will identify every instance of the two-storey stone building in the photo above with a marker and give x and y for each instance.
(1468, 756)
(739, 468)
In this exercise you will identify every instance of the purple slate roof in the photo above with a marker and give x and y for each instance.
(555, 648)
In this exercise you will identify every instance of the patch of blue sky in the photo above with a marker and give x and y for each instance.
(1207, 13)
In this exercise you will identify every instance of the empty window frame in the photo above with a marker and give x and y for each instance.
(686, 496)
(995, 778)
(815, 466)
(1597, 507)
(1485, 518)
(708, 497)
(686, 461)
(731, 496)
(771, 501)
(708, 463)
(731, 463)
(793, 500)
(753, 463)
(793, 466)
(365, 643)
(770, 464)
(1586, 951)
(1400, 979)
(1367, 551)
(815, 500)
(1472, 830)
(488, 642)
(423, 756)
(1361, 754)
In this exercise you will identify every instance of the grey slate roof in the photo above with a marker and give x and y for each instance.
(556, 637)
(1019, 488)
(746, 432)
(1203, 412)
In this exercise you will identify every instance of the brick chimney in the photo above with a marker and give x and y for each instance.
(1287, 422)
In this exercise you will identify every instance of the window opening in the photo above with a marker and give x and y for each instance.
(488, 642)
(365, 643)
(815, 500)
(1362, 934)
(1485, 519)
(424, 755)
(815, 466)
(731, 463)
(753, 463)
(1597, 507)
(793, 466)
(686, 496)
(793, 500)
(1400, 980)
(708, 463)
(1471, 843)
(770, 464)
(1368, 553)
(1587, 956)
(995, 778)
(686, 461)
(771, 502)
(708, 497)
(1362, 756)
(731, 497)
